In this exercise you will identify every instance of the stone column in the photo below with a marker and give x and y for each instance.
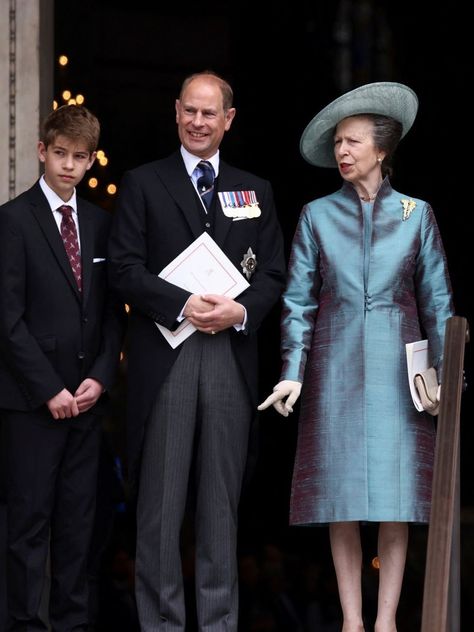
(26, 96)
(26, 88)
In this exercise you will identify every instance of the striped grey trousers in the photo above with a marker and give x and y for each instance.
(197, 435)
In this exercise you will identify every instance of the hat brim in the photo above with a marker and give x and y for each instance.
(386, 98)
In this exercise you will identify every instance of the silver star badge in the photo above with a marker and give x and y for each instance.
(249, 263)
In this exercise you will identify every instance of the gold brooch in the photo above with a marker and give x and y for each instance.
(408, 207)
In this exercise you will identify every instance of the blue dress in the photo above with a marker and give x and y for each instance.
(364, 279)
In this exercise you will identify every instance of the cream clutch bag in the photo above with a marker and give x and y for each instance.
(427, 386)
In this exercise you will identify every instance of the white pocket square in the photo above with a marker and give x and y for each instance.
(98, 259)
(237, 219)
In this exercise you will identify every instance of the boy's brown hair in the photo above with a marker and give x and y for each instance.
(74, 122)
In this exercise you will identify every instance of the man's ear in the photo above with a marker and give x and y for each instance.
(229, 117)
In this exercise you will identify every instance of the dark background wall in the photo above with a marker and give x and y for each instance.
(129, 58)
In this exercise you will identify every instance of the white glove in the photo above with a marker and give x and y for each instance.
(286, 389)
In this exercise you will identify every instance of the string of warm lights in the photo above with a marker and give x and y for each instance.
(102, 160)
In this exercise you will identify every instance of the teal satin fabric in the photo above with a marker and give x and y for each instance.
(362, 282)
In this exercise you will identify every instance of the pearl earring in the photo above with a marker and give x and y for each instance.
(379, 159)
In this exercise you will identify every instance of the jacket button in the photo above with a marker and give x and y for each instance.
(85, 319)
(81, 355)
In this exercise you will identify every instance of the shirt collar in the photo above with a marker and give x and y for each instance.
(191, 161)
(53, 198)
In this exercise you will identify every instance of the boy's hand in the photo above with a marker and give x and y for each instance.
(87, 393)
(63, 405)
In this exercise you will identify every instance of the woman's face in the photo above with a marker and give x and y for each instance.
(357, 157)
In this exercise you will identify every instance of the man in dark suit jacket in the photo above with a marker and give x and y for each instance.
(191, 408)
(60, 338)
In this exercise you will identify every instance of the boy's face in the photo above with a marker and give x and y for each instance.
(65, 163)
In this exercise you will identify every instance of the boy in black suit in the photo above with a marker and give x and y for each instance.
(60, 338)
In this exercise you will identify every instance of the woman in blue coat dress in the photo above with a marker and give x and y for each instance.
(367, 274)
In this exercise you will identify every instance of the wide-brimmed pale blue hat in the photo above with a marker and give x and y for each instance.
(384, 97)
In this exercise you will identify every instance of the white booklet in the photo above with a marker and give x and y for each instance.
(202, 268)
(417, 362)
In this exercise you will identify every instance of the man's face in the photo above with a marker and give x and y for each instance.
(201, 118)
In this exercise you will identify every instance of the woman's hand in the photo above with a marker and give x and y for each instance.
(283, 398)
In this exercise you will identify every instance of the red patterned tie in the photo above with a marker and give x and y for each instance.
(69, 235)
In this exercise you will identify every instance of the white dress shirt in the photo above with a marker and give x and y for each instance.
(55, 202)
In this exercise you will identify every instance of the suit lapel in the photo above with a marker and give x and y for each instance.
(86, 230)
(44, 216)
(175, 179)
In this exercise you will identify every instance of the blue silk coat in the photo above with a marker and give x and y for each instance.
(363, 281)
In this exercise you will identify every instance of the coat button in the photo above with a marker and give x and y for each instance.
(81, 355)
(208, 225)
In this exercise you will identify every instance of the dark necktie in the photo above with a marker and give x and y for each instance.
(205, 183)
(71, 244)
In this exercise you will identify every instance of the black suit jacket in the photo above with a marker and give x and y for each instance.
(50, 337)
(156, 218)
